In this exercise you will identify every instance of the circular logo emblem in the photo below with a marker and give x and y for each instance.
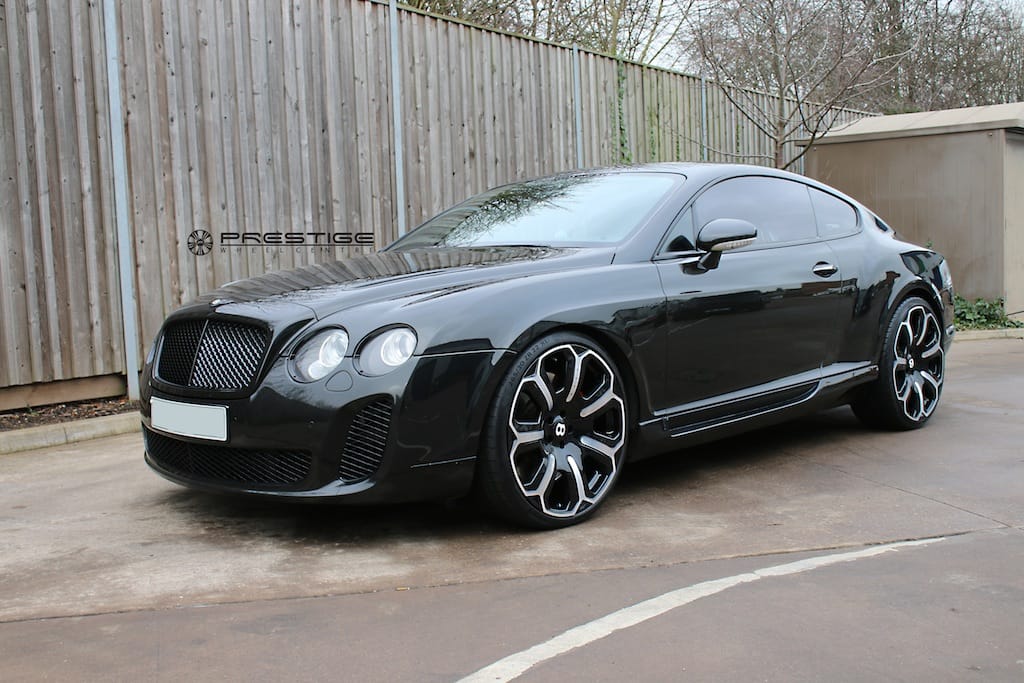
(200, 242)
(910, 362)
(560, 429)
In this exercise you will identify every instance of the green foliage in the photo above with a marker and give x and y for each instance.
(982, 314)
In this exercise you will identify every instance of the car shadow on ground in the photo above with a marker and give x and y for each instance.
(760, 447)
(319, 524)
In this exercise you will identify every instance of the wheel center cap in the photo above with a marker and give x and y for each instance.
(559, 430)
(911, 363)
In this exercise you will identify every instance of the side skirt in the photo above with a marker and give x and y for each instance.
(741, 411)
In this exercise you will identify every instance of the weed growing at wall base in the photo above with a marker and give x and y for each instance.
(982, 314)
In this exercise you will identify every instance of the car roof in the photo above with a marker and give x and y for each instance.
(700, 173)
(698, 170)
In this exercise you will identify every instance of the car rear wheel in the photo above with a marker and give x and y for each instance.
(556, 434)
(911, 371)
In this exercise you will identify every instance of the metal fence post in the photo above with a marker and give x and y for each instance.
(396, 119)
(125, 248)
(577, 104)
(703, 118)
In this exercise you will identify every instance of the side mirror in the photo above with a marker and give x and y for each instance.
(723, 234)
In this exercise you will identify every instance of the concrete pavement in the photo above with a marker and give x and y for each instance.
(109, 571)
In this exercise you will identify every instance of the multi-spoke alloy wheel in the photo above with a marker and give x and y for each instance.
(910, 373)
(559, 445)
(918, 363)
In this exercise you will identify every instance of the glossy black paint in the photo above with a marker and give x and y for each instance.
(757, 338)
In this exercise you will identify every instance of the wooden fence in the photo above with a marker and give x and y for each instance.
(245, 116)
(59, 307)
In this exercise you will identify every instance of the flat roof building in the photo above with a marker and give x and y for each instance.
(953, 179)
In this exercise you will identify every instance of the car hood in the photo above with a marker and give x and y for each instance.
(326, 288)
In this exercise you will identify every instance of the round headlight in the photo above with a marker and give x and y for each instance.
(321, 354)
(387, 350)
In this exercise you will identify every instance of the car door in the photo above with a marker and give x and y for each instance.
(760, 323)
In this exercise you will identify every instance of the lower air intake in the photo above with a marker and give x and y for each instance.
(364, 445)
(221, 464)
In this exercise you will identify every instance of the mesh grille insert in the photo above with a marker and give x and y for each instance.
(366, 440)
(178, 351)
(228, 465)
(214, 354)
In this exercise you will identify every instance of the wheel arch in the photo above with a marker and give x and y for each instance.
(915, 287)
(615, 347)
(492, 490)
(618, 349)
(879, 403)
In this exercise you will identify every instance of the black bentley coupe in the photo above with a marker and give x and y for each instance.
(526, 343)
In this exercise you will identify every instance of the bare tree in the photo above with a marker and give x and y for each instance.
(805, 60)
(961, 53)
(791, 67)
(638, 30)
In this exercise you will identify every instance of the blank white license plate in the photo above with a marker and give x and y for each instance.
(189, 419)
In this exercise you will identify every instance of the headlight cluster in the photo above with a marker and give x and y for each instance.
(321, 354)
(381, 353)
(386, 351)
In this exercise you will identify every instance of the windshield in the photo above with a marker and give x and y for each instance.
(569, 210)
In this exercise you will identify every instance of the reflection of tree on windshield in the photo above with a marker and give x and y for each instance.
(567, 210)
(469, 224)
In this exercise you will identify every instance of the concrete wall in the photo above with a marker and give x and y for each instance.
(1013, 259)
(944, 189)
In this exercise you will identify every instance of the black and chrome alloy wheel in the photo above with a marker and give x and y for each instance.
(918, 363)
(560, 446)
(911, 370)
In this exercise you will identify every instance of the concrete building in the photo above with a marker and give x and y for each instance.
(951, 178)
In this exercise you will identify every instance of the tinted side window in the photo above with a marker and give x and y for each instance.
(835, 217)
(780, 209)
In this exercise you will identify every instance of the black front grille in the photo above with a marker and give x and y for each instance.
(211, 354)
(240, 466)
(364, 445)
(178, 351)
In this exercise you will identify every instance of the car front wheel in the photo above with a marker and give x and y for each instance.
(556, 434)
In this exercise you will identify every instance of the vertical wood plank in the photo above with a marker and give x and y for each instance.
(245, 116)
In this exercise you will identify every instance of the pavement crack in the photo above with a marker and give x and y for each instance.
(975, 513)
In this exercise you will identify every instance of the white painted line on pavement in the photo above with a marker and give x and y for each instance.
(517, 664)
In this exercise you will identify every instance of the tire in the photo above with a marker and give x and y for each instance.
(556, 434)
(911, 371)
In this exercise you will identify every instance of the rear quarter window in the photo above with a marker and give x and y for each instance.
(834, 216)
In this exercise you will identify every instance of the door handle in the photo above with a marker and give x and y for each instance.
(824, 269)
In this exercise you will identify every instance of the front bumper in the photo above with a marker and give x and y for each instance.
(413, 433)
